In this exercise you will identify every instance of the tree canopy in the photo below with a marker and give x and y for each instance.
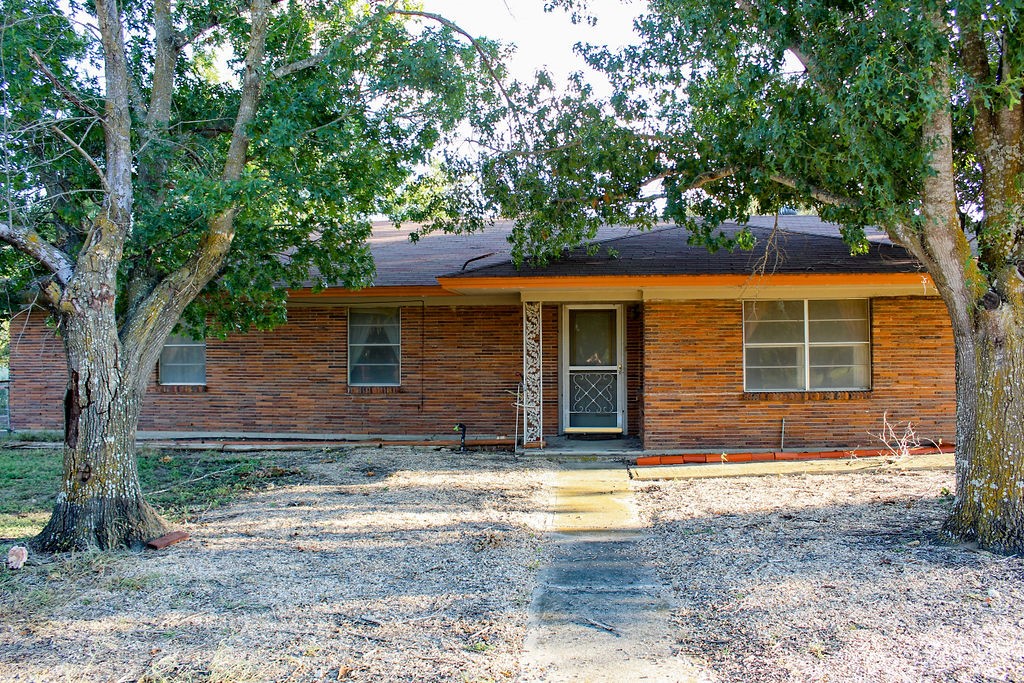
(734, 106)
(354, 102)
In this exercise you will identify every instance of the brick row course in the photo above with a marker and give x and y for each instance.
(693, 382)
(684, 363)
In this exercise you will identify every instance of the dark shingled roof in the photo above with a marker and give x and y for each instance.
(401, 262)
(800, 247)
(804, 244)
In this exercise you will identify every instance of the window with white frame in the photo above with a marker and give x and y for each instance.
(807, 345)
(374, 347)
(183, 361)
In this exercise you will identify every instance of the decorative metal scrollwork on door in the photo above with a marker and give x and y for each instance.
(594, 392)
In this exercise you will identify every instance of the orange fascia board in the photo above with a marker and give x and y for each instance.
(639, 281)
(384, 292)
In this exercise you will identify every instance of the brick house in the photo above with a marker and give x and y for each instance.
(648, 337)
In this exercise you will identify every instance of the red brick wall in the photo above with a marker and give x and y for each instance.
(684, 364)
(693, 382)
(38, 374)
(458, 365)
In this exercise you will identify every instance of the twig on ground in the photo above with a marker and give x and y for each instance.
(603, 627)
(192, 481)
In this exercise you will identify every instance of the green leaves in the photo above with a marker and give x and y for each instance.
(356, 105)
(810, 103)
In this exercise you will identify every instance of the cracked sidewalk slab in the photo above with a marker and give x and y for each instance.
(600, 613)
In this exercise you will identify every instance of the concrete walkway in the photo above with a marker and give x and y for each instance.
(600, 612)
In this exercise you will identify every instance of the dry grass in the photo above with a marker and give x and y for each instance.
(832, 578)
(413, 565)
(387, 564)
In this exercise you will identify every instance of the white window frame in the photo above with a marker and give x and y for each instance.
(180, 341)
(807, 346)
(348, 333)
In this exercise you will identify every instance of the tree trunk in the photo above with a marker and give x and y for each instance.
(989, 506)
(100, 504)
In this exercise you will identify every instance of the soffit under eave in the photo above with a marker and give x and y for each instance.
(767, 292)
(746, 290)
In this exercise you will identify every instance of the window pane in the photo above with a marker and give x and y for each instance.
(374, 375)
(775, 368)
(773, 322)
(183, 374)
(838, 331)
(775, 357)
(843, 309)
(774, 332)
(183, 361)
(775, 379)
(175, 355)
(374, 355)
(838, 321)
(593, 337)
(840, 377)
(841, 367)
(822, 356)
(773, 310)
(374, 346)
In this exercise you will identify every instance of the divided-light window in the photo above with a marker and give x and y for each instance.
(807, 345)
(183, 361)
(374, 347)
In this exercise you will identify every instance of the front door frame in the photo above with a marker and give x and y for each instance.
(563, 372)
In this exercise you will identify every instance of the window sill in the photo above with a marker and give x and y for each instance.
(803, 396)
(181, 388)
(370, 391)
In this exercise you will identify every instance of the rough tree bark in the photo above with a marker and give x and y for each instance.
(110, 359)
(987, 314)
(100, 503)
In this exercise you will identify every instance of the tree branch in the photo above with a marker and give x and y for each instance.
(823, 196)
(70, 96)
(85, 155)
(158, 313)
(791, 46)
(709, 177)
(313, 60)
(484, 59)
(164, 62)
(975, 59)
(29, 242)
(117, 120)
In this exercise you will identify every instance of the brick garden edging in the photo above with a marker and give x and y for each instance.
(726, 458)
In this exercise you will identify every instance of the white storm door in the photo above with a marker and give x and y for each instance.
(593, 380)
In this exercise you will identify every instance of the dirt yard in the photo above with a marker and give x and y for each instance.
(387, 564)
(414, 565)
(839, 577)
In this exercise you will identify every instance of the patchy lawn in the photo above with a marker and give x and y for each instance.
(370, 564)
(840, 577)
(417, 565)
(179, 484)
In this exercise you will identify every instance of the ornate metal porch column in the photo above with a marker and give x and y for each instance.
(533, 374)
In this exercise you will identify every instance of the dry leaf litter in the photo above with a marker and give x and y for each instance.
(403, 564)
(387, 564)
(842, 577)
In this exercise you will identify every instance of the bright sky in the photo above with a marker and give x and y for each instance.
(543, 39)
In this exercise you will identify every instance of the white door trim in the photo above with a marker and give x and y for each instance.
(563, 372)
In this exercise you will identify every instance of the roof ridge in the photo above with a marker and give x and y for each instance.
(639, 231)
